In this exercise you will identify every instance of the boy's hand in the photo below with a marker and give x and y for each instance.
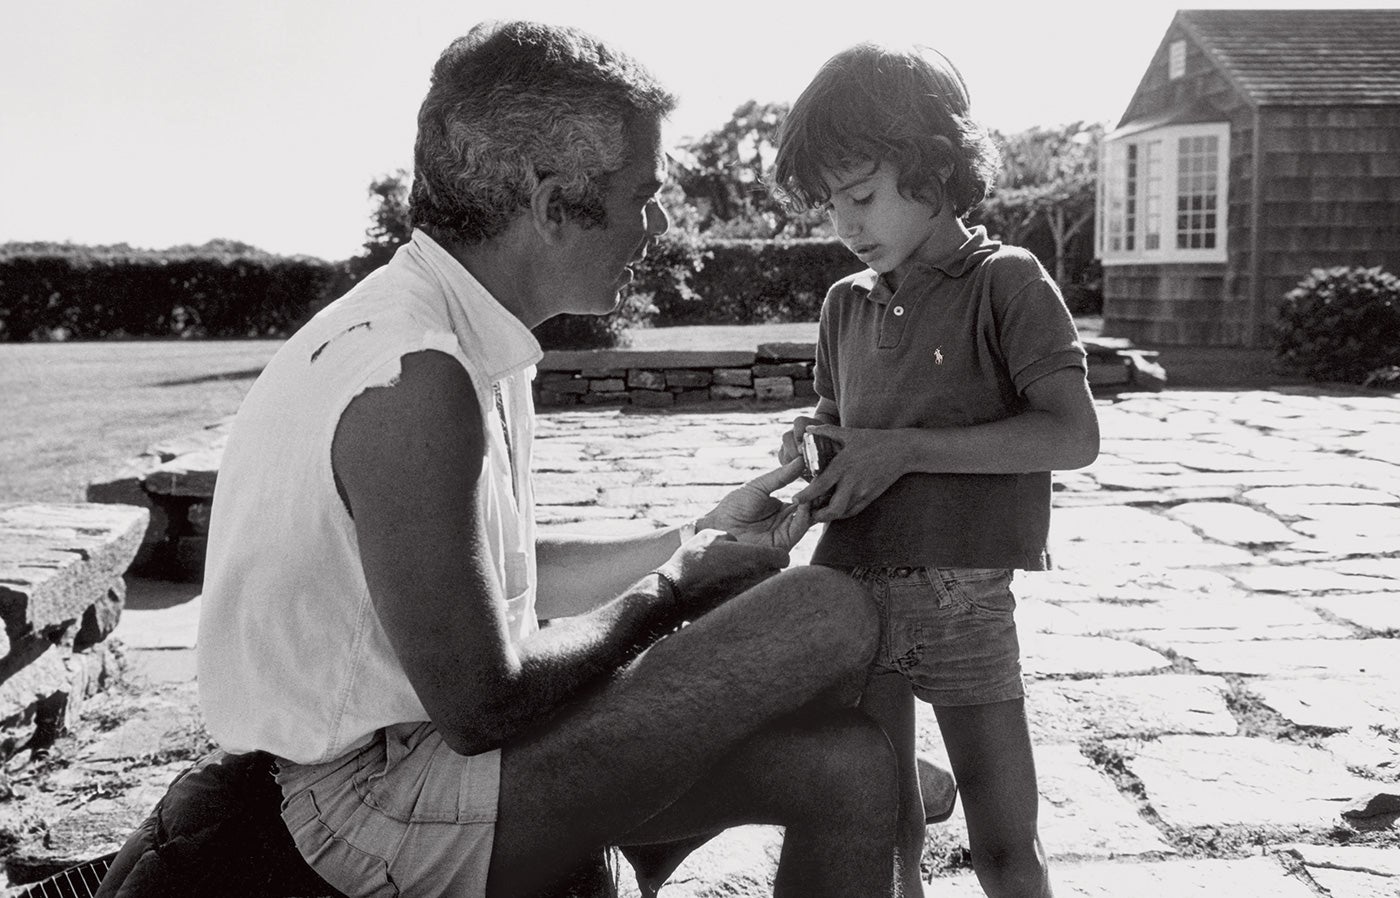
(712, 567)
(792, 440)
(869, 461)
(753, 516)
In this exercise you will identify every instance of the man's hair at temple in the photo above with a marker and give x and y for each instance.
(512, 103)
(875, 103)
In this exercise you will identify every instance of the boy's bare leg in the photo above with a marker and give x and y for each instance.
(990, 749)
(621, 755)
(889, 701)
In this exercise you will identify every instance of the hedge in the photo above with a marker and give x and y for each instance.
(87, 294)
(91, 293)
(744, 281)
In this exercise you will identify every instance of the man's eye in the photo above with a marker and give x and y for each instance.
(863, 200)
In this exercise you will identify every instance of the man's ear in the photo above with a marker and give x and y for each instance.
(547, 209)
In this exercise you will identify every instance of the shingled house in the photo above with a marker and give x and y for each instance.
(1260, 144)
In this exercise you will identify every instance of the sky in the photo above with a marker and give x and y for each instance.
(165, 122)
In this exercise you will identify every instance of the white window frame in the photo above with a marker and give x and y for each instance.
(1155, 199)
(1176, 60)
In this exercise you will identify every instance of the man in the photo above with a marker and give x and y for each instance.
(374, 582)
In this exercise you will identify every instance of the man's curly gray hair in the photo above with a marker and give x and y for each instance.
(512, 103)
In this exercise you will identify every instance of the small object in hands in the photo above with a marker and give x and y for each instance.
(817, 452)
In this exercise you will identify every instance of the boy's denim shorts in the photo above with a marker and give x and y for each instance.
(950, 631)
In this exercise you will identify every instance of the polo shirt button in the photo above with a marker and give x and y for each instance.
(899, 310)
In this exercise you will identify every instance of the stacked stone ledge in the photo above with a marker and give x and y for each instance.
(61, 595)
(772, 372)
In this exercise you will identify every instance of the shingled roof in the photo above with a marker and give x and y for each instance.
(1303, 57)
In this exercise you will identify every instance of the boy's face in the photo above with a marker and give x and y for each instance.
(883, 227)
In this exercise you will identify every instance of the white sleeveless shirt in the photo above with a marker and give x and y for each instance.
(292, 659)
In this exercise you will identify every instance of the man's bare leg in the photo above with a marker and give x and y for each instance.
(621, 755)
(827, 777)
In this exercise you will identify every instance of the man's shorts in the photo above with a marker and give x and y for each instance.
(950, 631)
(402, 816)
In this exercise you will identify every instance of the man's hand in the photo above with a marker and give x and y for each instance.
(869, 461)
(752, 515)
(712, 567)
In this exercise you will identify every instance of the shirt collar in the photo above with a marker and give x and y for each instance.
(956, 264)
(500, 341)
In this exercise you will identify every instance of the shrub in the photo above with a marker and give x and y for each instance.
(1341, 324)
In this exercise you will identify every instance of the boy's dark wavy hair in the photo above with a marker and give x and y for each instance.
(874, 103)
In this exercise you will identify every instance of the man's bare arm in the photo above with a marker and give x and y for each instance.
(407, 458)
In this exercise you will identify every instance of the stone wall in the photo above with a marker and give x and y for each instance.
(774, 371)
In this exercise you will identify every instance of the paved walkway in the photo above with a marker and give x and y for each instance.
(1214, 667)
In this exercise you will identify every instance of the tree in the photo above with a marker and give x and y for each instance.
(1048, 179)
(723, 175)
(389, 228)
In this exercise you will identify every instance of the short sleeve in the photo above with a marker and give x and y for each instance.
(1037, 332)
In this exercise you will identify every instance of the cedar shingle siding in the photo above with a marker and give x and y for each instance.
(1322, 90)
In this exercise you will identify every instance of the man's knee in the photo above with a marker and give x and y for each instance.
(838, 612)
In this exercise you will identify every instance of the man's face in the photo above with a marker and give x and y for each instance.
(602, 256)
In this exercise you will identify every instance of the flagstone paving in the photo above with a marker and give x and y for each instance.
(1213, 667)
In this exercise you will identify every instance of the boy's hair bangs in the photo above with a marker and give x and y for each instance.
(832, 127)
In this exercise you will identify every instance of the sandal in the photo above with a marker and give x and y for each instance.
(935, 786)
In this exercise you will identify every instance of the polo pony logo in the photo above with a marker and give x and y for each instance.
(938, 356)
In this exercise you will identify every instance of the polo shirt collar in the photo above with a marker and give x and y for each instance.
(501, 343)
(956, 264)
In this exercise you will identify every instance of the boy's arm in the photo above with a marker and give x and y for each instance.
(1059, 432)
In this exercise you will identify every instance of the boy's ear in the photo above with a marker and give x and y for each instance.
(947, 153)
(547, 209)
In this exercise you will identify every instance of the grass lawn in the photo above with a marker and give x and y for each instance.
(70, 412)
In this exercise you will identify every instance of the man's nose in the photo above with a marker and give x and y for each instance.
(658, 222)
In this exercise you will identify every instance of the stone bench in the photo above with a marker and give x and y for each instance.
(61, 594)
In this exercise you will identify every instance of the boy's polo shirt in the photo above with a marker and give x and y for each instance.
(956, 345)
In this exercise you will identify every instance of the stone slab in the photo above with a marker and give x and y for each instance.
(1048, 654)
(174, 627)
(1256, 615)
(1235, 525)
(192, 474)
(1249, 878)
(1351, 872)
(1148, 555)
(1212, 781)
(1111, 525)
(1304, 578)
(1083, 815)
(1350, 520)
(1337, 703)
(594, 359)
(1138, 706)
(1281, 657)
(56, 560)
(1372, 611)
(1372, 752)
